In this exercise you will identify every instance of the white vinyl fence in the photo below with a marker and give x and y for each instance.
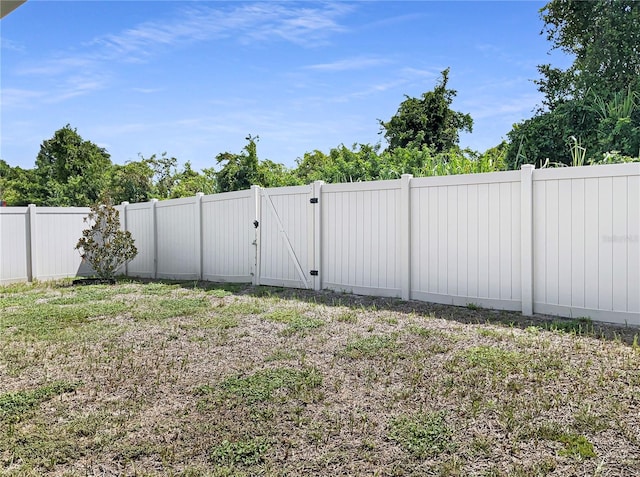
(37, 243)
(556, 241)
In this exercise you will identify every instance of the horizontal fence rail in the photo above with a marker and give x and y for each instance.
(555, 241)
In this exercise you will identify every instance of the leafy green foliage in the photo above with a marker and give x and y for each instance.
(262, 385)
(423, 435)
(132, 182)
(427, 121)
(70, 171)
(603, 36)
(14, 405)
(369, 347)
(296, 321)
(245, 452)
(595, 100)
(104, 245)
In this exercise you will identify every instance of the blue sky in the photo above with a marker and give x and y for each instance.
(195, 78)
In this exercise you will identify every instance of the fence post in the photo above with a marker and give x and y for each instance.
(123, 226)
(317, 235)
(154, 229)
(526, 237)
(255, 202)
(199, 233)
(405, 236)
(31, 245)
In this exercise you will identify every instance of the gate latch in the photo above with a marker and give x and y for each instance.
(255, 224)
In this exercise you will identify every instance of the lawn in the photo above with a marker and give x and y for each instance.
(190, 379)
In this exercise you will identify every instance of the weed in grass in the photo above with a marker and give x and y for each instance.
(348, 316)
(48, 322)
(588, 421)
(14, 405)
(159, 288)
(420, 331)
(296, 321)
(576, 446)
(281, 355)
(370, 347)
(244, 308)
(262, 385)
(579, 326)
(219, 321)
(492, 358)
(165, 308)
(490, 333)
(423, 434)
(219, 293)
(245, 452)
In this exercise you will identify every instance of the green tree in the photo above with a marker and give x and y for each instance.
(239, 171)
(189, 182)
(131, 182)
(165, 170)
(594, 102)
(70, 171)
(604, 38)
(18, 187)
(428, 120)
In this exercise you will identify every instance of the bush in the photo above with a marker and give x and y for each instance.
(104, 245)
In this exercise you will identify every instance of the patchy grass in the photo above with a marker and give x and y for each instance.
(202, 379)
(423, 434)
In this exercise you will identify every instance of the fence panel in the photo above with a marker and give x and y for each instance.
(360, 237)
(228, 236)
(586, 242)
(286, 244)
(465, 239)
(57, 232)
(139, 220)
(177, 239)
(14, 244)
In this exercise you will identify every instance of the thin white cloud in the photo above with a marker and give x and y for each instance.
(492, 107)
(347, 64)
(10, 45)
(147, 90)
(12, 97)
(307, 26)
(303, 25)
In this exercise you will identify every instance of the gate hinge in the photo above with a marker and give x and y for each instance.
(313, 200)
(314, 273)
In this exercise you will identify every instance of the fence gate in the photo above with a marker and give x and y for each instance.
(286, 252)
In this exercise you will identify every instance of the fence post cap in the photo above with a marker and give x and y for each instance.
(32, 205)
(124, 203)
(199, 194)
(525, 167)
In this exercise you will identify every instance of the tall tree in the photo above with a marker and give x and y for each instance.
(428, 120)
(70, 170)
(239, 171)
(593, 102)
(131, 182)
(604, 38)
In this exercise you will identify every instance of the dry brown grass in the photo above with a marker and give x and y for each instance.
(204, 379)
